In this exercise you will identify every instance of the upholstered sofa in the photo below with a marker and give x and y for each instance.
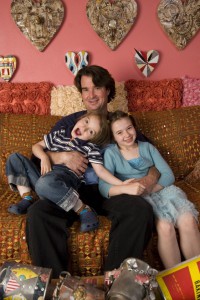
(175, 132)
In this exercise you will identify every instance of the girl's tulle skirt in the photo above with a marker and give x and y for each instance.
(170, 203)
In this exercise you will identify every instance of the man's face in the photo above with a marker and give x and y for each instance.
(94, 97)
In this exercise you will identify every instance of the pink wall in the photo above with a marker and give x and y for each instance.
(76, 34)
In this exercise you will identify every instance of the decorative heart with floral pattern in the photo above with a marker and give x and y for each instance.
(76, 61)
(38, 20)
(180, 20)
(112, 19)
(146, 61)
(7, 66)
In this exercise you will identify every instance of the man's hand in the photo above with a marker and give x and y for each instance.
(73, 160)
(150, 180)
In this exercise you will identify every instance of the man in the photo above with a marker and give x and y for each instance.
(131, 216)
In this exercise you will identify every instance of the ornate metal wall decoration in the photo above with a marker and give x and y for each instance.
(112, 19)
(146, 61)
(38, 20)
(180, 20)
(76, 61)
(8, 65)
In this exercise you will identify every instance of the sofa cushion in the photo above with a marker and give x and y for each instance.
(174, 132)
(66, 100)
(191, 91)
(25, 98)
(176, 135)
(194, 176)
(18, 133)
(146, 95)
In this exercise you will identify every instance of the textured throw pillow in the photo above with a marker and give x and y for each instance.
(25, 98)
(191, 91)
(194, 176)
(147, 95)
(66, 100)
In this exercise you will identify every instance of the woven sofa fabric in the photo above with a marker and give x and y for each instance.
(25, 98)
(176, 135)
(149, 95)
(18, 133)
(12, 230)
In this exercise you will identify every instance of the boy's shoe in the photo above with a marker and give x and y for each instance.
(20, 208)
(89, 220)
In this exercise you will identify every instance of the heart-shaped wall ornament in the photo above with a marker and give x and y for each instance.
(7, 66)
(76, 61)
(38, 20)
(111, 19)
(180, 20)
(146, 61)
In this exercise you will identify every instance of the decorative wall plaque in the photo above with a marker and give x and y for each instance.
(112, 19)
(7, 66)
(76, 61)
(38, 20)
(180, 20)
(146, 61)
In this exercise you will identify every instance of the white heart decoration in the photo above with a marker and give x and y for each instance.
(7, 66)
(76, 61)
(146, 61)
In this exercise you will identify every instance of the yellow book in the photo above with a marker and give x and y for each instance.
(182, 282)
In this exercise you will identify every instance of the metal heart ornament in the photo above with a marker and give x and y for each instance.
(111, 19)
(7, 66)
(146, 61)
(38, 20)
(180, 20)
(76, 61)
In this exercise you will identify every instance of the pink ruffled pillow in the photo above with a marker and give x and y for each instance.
(191, 91)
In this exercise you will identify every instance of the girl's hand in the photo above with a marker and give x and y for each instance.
(45, 165)
(134, 188)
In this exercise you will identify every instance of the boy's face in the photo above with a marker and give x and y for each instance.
(86, 128)
(123, 132)
(93, 97)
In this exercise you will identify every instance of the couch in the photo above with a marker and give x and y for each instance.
(175, 132)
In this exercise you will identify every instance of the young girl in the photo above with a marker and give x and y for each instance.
(129, 158)
(89, 130)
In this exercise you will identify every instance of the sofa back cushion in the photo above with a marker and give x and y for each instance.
(147, 95)
(25, 98)
(191, 91)
(66, 100)
(176, 134)
(18, 133)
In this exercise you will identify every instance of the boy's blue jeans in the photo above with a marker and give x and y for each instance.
(59, 186)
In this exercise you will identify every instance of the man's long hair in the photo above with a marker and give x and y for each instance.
(100, 77)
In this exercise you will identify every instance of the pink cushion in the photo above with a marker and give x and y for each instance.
(25, 98)
(191, 91)
(147, 95)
